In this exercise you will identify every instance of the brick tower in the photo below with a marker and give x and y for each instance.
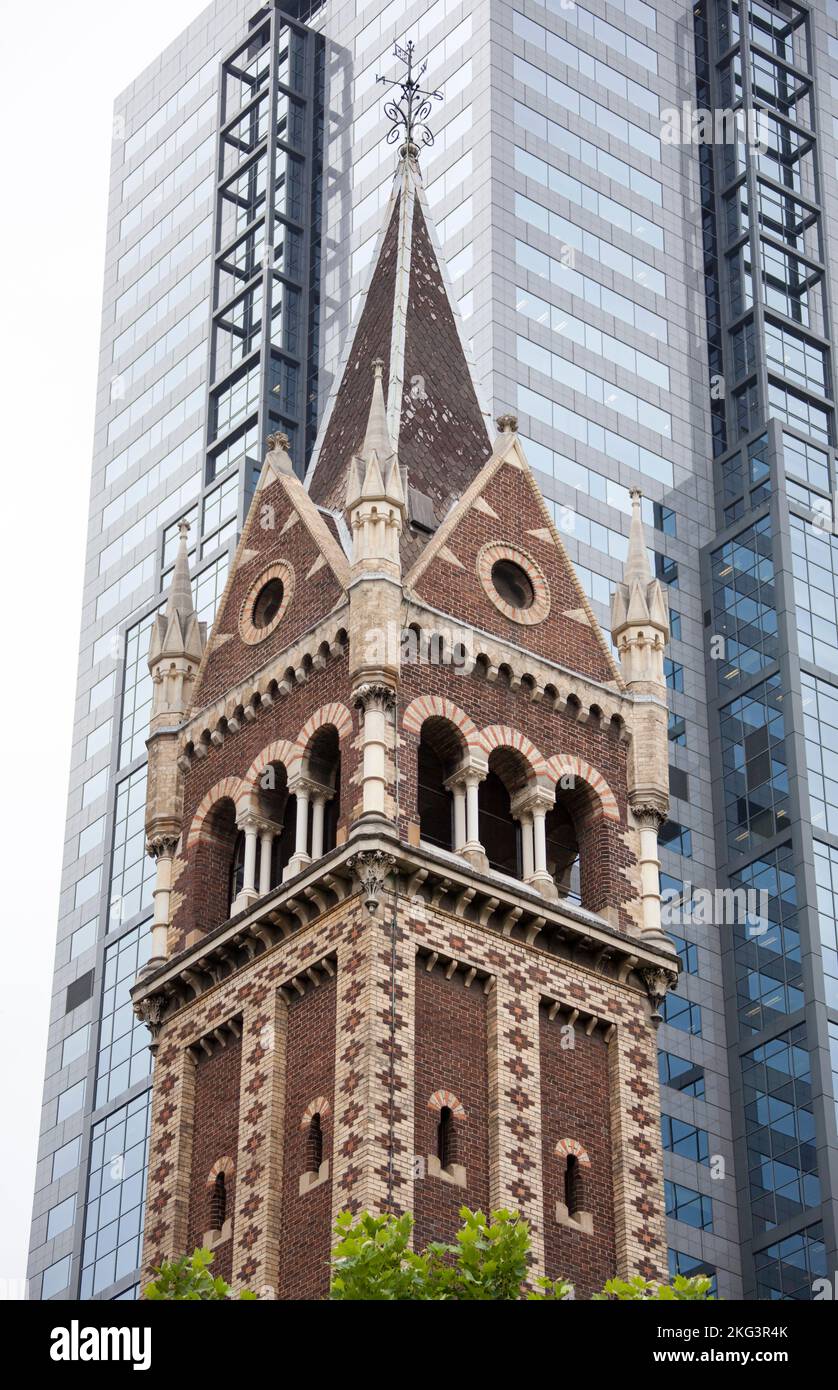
(404, 805)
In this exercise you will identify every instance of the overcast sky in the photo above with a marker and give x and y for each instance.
(61, 66)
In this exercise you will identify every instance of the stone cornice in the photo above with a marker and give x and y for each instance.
(500, 651)
(210, 726)
(424, 878)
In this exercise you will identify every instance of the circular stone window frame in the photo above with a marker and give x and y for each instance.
(488, 556)
(249, 632)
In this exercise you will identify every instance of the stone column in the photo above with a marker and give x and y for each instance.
(377, 703)
(302, 790)
(533, 804)
(457, 788)
(320, 797)
(525, 819)
(649, 820)
(473, 850)
(250, 824)
(266, 844)
(161, 849)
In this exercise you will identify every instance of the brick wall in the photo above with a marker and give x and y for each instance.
(520, 521)
(305, 1240)
(575, 1104)
(215, 1135)
(233, 660)
(450, 1055)
(448, 1046)
(213, 860)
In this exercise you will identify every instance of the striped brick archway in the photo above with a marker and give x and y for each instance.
(229, 788)
(575, 769)
(437, 707)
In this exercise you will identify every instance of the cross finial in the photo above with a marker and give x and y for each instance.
(410, 111)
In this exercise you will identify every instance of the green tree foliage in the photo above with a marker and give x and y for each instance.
(640, 1290)
(372, 1260)
(189, 1279)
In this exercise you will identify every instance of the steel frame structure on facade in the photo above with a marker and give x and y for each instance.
(735, 515)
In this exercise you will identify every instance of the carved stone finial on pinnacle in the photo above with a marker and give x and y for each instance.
(278, 440)
(183, 528)
(378, 368)
(507, 424)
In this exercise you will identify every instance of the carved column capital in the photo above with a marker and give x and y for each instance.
(371, 868)
(162, 846)
(650, 815)
(658, 982)
(374, 695)
(533, 800)
(303, 786)
(150, 1011)
(469, 774)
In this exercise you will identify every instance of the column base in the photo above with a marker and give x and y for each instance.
(543, 884)
(243, 901)
(369, 822)
(295, 866)
(657, 937)
(152, 964)
(475, 854)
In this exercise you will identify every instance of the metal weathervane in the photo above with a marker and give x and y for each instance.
(409, 112)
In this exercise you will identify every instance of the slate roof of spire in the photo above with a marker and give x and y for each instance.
(436, 420)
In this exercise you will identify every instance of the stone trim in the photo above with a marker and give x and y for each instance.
(569, 765)
(572, 1146)
(442, 1098)
(325, 642)
(318, 1106)
(229, 788)
(221, 1165)
(550, 680)
(309, 1181)
(504, 736)
(282, 750)
(248, 631)
(437, 707)
(487, 558)
(424, 877)
(334, 713)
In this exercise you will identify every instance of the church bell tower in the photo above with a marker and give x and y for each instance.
(404, 803)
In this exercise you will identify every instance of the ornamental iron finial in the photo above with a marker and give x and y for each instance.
(409, 112)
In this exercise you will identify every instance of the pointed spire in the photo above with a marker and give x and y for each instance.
(374, 471)
(432, 408)
(377, 438)
(180, 602)
(639, 612)
(176, 642)
(373, 486)
(637, 569)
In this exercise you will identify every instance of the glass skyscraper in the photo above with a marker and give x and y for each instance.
(654, 300)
